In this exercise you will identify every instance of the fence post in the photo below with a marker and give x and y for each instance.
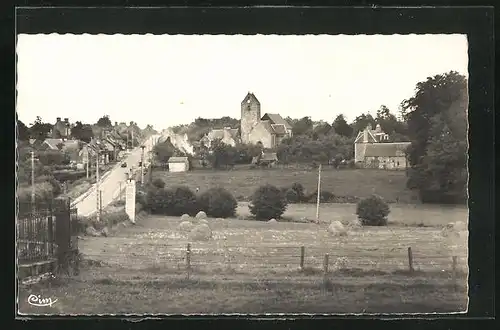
(325, 264)
(410, 259)
(302, 255)
(454, 271)
(188, 259)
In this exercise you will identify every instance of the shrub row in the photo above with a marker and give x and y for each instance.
(79, 224)
(179, 200)
(69, 175)
(266, 203)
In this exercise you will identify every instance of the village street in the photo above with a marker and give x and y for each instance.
(111, 184)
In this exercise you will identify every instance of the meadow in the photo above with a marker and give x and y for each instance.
(254, 267)
(346, 182)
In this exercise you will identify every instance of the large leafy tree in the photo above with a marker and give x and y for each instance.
(22, 131)
(391, 125)
(104, 121)
(361, 121)
(437, 126)
(303, 126)
(341, 126)
(82, 132)
(39, 130)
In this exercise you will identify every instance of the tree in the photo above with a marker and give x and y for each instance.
(362, 121)
(341, 126)
(22, 131)
(104, 121)
(222, 154)
(82, 132)
(303, 126)
(163, 151)
(396, 129)
(39, 129)
(436, 117)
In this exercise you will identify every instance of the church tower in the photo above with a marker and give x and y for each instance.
(250, 116)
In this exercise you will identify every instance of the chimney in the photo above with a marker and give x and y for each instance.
(58, 119)
(116, 123)
(365, 135)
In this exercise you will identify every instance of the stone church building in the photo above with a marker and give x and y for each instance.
(269, 129)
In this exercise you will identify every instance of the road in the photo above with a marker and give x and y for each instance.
(110, 185)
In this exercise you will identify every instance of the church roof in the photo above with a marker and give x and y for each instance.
(276, 119)
(249, 98)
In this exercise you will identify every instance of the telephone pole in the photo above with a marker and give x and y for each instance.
(97, 188)
(33, 179)
(142, 165)
(319, 193)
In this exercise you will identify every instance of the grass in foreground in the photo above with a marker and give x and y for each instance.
(114, 291)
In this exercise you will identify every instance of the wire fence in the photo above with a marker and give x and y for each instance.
(191, 260)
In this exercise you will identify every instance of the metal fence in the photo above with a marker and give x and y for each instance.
(42, 228)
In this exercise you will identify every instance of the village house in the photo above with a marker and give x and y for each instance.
(61, 129)
(178, 164)
(227, 135)
(371, 150)
(269, 129)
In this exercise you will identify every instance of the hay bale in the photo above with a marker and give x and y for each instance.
(201, 233)
(185, 226)
(105, 232)
(219, 219)
(201, 215)
(337, 229)
(272, 221)
(185, 217)
(203, 221)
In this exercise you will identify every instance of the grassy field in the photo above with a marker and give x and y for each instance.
(253, 267)
(241, 183)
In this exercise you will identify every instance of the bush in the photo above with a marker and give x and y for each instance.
(158, 183)
(299, 189)
(267, 202)
(184, 201)
(373, 211)
(158, 201)
(218, 203)
(292, 196)
(175, 202)
(56, 185)
(71, 176)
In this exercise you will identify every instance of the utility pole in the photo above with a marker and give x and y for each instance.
(97, 188)
(142, 165)
(33, 180)
(319, 193)
(87, 160)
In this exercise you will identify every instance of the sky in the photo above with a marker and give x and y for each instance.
(167, 80)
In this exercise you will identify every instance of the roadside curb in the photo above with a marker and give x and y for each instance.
(89, 191)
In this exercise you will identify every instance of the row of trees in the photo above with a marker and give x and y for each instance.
(437, 126)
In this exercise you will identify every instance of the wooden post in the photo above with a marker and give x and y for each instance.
(410, 260)
(100, 203)
(454, 271)
(325, 265)
(319, 193)
(188, 259)
(302, 255)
